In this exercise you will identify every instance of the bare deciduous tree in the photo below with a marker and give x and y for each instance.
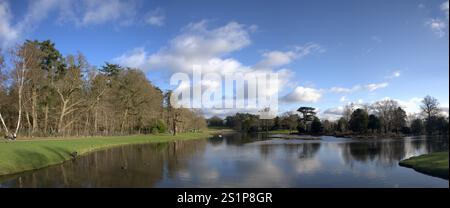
(430, 107)
(385, 110)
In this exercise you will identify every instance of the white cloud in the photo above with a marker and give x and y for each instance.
(437, 26)
(445, 111)
(81, 13)
(410, 106)
(340, 90)
(444, 8)
(277, 58)
(196, 45)
(199, 45)
(94, 12)
(334, 111)
(345, 90)
(7, 32)
(303, 94)
(280, 58)
(36, 12)
(373, 87)
(101, 11)
(155, 17)
(198, 40)
(394, 74)
(135, 58)
(369, 87)
(343, 99)
(331, 114)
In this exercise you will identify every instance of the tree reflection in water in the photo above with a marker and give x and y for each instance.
(388, 152)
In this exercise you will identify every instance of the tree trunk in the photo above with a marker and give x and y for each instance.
(86, 124)
(4, 125)
(174, 122)
(21, 78)
(61, 117)
(28, 122)
(45, 118)
(122, 126)
(34, 111)
(95, 121)
(174, 128)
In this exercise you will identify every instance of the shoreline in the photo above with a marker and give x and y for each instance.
(350, 135)
(28, 155)
(433, 164)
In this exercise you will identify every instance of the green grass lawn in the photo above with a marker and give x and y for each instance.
(23, 155)
(434, 164)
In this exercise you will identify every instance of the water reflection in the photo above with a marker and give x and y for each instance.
(244, 161)
(240, 139)
(389, 151)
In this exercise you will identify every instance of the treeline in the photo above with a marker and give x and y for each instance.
(384, 117)
(43, 93)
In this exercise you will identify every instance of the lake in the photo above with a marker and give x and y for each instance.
(236, 160)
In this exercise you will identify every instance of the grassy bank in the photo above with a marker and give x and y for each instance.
(23, 155)
(434, 164)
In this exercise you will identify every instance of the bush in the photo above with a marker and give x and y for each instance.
(158, 127)
(154, 130)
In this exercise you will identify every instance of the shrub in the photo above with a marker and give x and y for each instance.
(158, 127)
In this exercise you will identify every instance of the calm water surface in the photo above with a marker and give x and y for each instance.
(244, 161)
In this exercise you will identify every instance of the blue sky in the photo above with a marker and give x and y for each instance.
(328, 52)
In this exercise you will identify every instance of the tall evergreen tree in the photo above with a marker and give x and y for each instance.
(359, 121)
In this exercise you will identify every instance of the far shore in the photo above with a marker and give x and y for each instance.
(347, 135)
